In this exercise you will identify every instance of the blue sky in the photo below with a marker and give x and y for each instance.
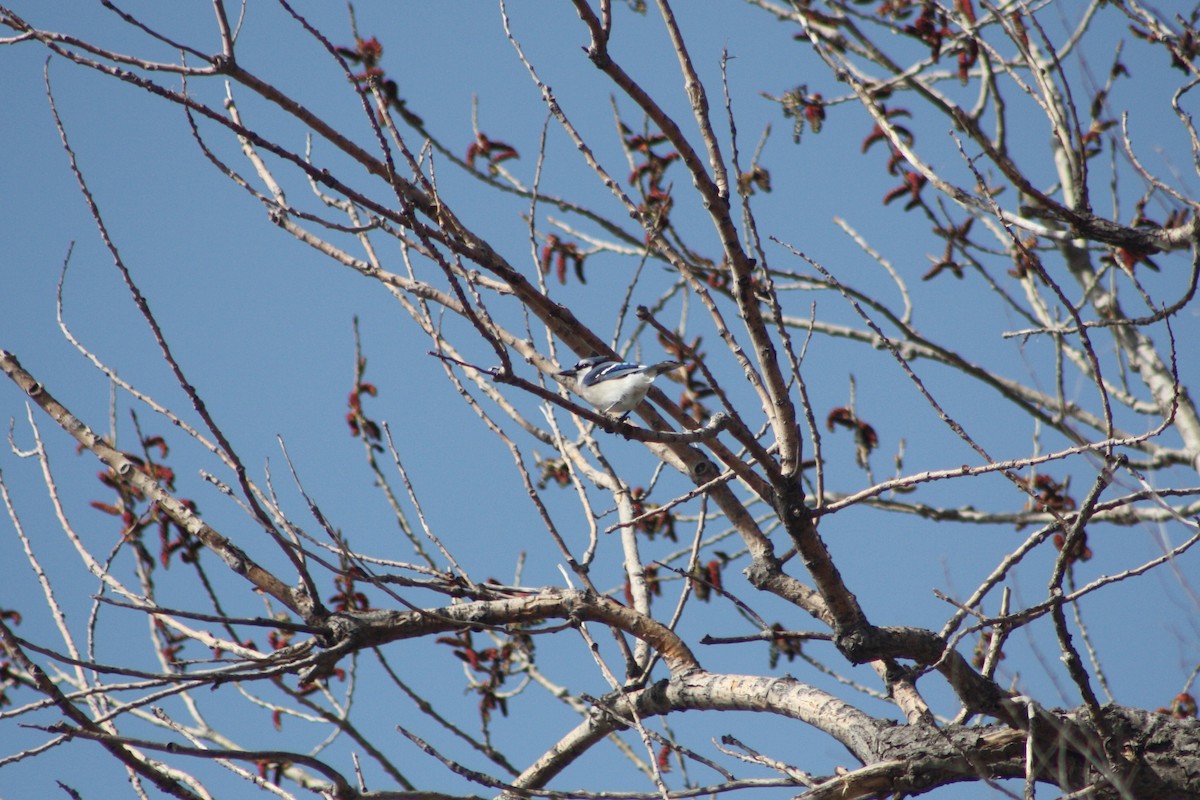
(263, 325)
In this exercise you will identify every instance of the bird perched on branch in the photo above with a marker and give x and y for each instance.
(613, 386)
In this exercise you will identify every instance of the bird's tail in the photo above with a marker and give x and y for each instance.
(663, 366)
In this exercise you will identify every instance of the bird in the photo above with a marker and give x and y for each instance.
(614, 386)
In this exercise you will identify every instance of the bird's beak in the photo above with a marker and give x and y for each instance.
(567, 373)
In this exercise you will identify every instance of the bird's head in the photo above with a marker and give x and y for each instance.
(583, 366)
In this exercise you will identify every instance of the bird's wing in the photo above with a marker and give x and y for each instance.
(611, 372)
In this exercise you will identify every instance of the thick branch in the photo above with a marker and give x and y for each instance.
(373, 628)
(704, 691)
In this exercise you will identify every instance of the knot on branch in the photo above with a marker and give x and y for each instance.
(860, 643)
(341, 626)
(702, 470)
(597, 53)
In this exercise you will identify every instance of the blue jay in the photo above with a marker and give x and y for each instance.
(613, 386)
